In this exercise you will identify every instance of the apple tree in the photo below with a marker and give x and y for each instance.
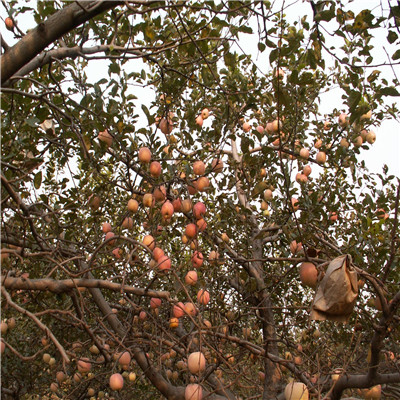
(183, 185)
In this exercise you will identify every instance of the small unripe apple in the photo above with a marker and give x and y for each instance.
(327, 125)
(105, 137)
(164, 263)
(144, 155)
(343, 120)
(110, 235)
(199, 210)
(167, 210)
(267, 194)
(60, 376)
(280, 73)
(190, 231)
(318, 144)
(94, 349)
(304, 153)
(344, 143)
(246, 127)
(191, 278)
(225, 237)
(199, 167)
(296, 391)
(307, 170)
(133, 205)
(178, 310)
(106, 227)
(321, 157)
(160, 193)
(116, 382)
(155, 169)
(9, 23)
(365, 116)
(54, 387)
(217, 165)
(201, 224)
(127, 223)
(197, 259)
(193, 391)
(148, 200)
(190, 309)
(203, 183)
(196, 362)
(205, 113)
(132, 377)
(199, 120)
(371, 137)
(374, 393)
(186, 206)
(3, 327)
(203, 297)
(173, 323)
(308, 274)
(155, 302)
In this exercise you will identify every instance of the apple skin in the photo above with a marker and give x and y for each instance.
(205, 113)
(116, 382)
(196, 362)
(9, 24)
(309, 274)
(193, 391)
(144, 155)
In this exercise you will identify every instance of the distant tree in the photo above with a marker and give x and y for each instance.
(155, 241)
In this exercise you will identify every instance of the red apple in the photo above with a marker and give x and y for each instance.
(199, 210)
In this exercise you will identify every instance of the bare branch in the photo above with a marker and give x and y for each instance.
(42, 326)
(66, 285)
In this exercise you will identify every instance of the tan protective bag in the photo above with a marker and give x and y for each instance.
(337, 292)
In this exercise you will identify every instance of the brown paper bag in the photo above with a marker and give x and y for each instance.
(337, 292)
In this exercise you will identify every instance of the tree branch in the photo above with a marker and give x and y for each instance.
(49, 31)
(66, 285)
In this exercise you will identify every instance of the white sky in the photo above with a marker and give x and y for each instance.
(386, 149)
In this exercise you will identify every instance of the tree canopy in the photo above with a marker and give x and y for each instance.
(185, 206)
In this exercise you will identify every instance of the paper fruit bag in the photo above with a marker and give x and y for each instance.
(337, 292)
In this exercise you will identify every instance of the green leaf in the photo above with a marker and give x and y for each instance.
(273, 55)
(353, 100)
(230, 59)
(37, 180)
(114, 68)
(246, 29)
(396, 55)
(392, 36)
(32, 122)
(261, 46)
(146, 111)
(389, 91)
